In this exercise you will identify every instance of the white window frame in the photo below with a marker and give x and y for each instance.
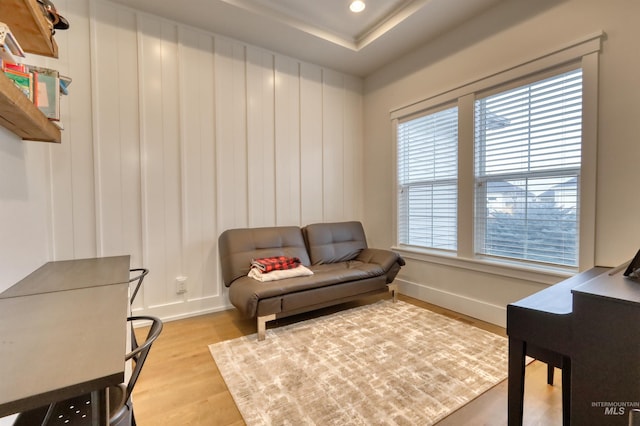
(583, 53)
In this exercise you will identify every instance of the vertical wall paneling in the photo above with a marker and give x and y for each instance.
(333, 145)
(197, 114)
(115, 128)
(175, 134)
(129, 126)
(287, 143)
(62, 204)
(106, 159)
(142, 137)
(75, 114)
(72, 182)
(171, 182)
(311, 157)
(159, 92)
(150, 82)
(353, 148)
(231, 134)
(260, 137)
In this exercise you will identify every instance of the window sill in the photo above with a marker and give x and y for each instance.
(548, 275)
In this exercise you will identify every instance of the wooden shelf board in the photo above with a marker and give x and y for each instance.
(21, 116)
(28, 24)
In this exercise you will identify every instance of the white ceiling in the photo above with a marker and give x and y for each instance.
(323, 32)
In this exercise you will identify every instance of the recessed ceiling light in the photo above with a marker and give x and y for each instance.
(357, 6)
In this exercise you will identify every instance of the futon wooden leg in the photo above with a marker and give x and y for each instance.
(550, 370)
(262, 325)
(393, 288)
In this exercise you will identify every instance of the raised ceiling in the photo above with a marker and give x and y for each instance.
(324, 32)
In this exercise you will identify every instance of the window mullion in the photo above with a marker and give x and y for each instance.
(466, 185)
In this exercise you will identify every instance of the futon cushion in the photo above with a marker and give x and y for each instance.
(238, 247)
(246, 292)
(334, 242)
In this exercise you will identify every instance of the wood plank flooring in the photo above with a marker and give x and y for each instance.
(181, 385)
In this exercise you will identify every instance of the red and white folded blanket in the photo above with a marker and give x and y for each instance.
(276, 263)
(277, 268)
(299, 271)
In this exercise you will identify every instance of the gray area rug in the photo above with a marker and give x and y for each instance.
(380, 364)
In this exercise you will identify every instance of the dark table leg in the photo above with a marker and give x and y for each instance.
(517, 350)
(566, 390)
(100, 407)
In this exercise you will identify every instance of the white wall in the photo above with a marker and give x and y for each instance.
(24, 229)
(172, 136)
(511, 33)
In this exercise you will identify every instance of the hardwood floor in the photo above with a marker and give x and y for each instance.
(181, 385)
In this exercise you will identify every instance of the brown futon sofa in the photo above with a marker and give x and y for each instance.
(344, 268)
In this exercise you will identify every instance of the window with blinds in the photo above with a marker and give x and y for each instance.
(527, 171)
(428, 180)
(500, 171)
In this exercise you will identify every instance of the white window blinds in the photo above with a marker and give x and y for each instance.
(527, 171)
(427, 178)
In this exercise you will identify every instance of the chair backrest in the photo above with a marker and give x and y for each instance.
(139, 352)
(139, 277)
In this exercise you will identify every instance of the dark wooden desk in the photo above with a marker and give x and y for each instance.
(63, 334)
(587, 325)
(606, 357)
(540, 326)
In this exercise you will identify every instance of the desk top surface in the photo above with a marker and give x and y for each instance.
(557, 299)
(63, 332)
(74, 274)
(614, 287)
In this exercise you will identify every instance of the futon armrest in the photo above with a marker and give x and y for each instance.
(385, 258)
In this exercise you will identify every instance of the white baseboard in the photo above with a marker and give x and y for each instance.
(482, 310)
(479, 309)
(185, 309)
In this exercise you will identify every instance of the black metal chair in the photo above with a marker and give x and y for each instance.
(77, 411)
(139, 278)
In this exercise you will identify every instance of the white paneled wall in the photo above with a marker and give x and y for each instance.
(231, 134)
(186, 134)
(287, 140)
(311, 138)
(261, 158)
(198, 166)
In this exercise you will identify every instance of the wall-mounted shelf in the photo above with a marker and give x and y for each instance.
(28, 23)
(33, 31)
(22, 117)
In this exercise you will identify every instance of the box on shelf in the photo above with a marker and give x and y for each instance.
(23, 81)
(9, 46)
(47, 82)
